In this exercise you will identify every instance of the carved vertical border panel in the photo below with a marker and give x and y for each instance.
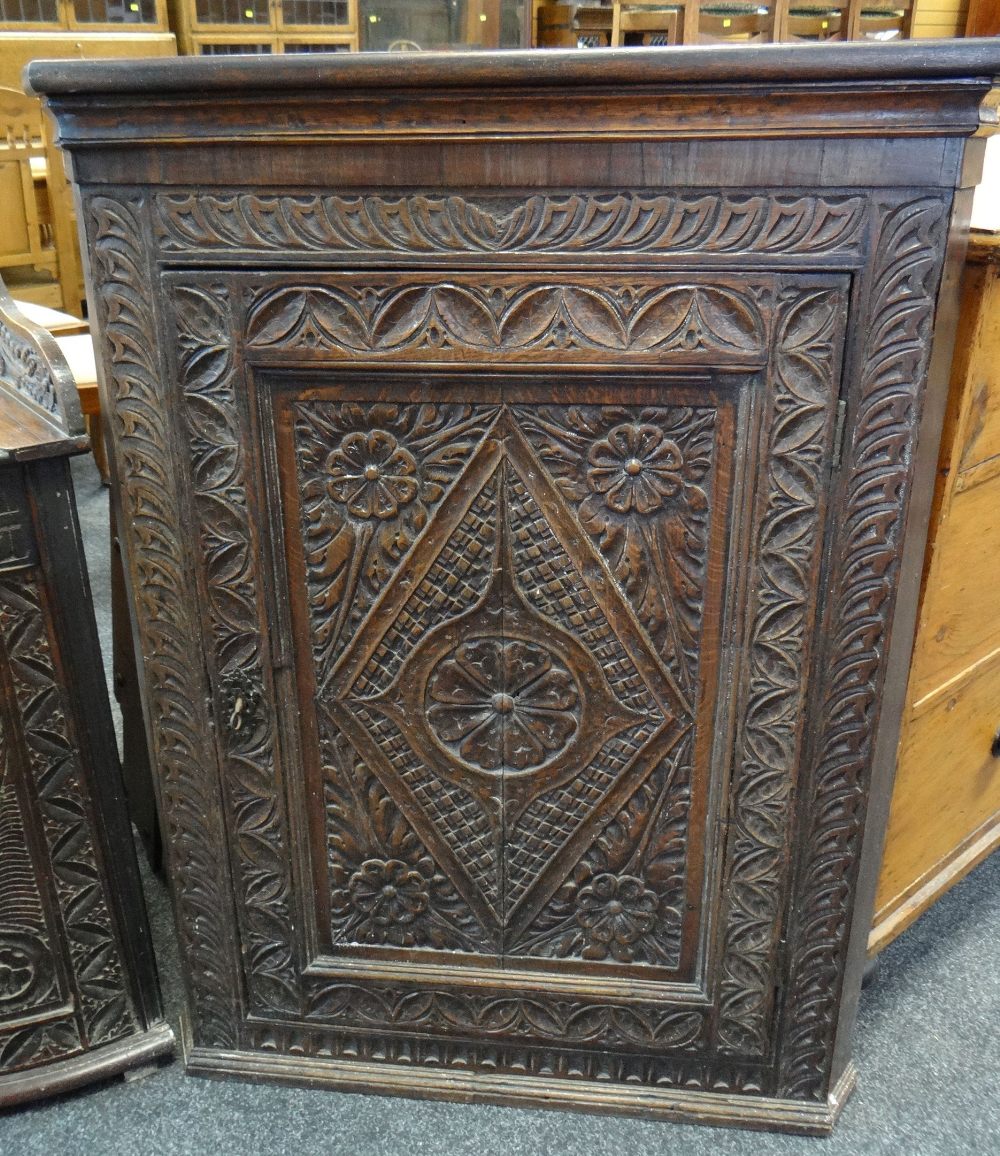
(234, 614)
(807, 340)
(104, 1008)
(878, 464)
(138, 408)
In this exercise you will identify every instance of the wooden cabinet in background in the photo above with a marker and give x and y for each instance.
(78, 993)
(263, 27)
(83, 15)
(512, 456)
(945, 815)
(983, 18)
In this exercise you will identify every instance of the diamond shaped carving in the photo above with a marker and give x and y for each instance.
(498, 705)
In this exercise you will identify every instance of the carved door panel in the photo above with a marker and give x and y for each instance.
(506, 607)
(538, 564)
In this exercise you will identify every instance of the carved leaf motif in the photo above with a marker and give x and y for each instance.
(695, 319)
(624, 899)
(651, 525)
(466, 319)
(351, 553)
(878, 473)
(518, 1018)
(680, 222)
(234, 615)
(385, 887)
(789, 539)
(63, 799)
(139, 414)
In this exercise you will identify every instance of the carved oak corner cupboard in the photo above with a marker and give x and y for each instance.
(78, 993)
(516, 455)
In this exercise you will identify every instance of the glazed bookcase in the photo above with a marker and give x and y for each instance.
(526, 500)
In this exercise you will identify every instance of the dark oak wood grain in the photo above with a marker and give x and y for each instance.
(78, 993)
(514, 458)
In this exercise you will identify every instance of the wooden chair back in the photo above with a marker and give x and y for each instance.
(21, 235)
(746, 23)
(37, 230)
(816, 20)
(654, 22)
(884, 20)
(592, 26)
(555, 26)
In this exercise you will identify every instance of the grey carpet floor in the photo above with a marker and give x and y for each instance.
(927, 1047)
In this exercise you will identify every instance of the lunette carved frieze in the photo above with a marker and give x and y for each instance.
(141, 421)
(695, 221)
(478, 318)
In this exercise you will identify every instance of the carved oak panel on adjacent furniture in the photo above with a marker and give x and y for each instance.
(78, 995)
(516, 493)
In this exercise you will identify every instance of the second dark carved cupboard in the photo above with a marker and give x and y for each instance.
(517, 492)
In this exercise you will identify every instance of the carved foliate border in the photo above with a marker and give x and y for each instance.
(227, 573)
(807, 342)
(901, 306)
(693, 221)
(104, 1008)
(876, 480)
(582, 317)
(138, 410)
(804, 327)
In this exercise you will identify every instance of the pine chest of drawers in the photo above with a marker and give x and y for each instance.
(515, 456)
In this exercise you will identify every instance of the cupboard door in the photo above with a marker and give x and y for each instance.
(509, 598)
(506, 603)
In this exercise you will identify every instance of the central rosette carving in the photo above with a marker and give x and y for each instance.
(498, 702)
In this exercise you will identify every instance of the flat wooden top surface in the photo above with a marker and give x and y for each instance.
(25, 434)
(791, 64)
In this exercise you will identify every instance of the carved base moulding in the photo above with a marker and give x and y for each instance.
(516, 516)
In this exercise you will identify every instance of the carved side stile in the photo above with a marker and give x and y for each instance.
(878, 465)
(227, 566)
(807, 343)
(139, 410)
